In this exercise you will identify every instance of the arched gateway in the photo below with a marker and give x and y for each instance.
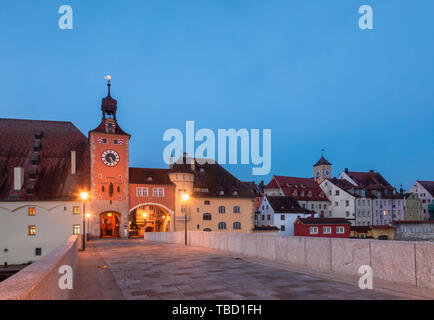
(149, 217)
(109, 224)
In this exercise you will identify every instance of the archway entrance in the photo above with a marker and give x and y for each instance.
(109, 225)
(148, 218)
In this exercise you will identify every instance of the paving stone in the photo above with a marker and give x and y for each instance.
(165, 271)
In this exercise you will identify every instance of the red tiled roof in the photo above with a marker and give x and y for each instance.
(374, 183)
(272, 185)
(306, 189)
(47, 171)
(429, 186)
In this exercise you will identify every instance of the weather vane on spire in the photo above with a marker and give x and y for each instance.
(322, 152)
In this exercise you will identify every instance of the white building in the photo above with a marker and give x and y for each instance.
(281, 212)
(348, 201)
(425, 192)
(46, 167)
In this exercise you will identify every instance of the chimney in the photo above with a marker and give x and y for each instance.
(73, 162)
(371, 171)
(171, 162)
(18, 178)
(193, 163)
(346, 170)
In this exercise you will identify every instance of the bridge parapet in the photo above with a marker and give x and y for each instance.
(40, 280)
(402, 262)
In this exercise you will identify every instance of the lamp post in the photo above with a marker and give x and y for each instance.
(185, 197)
(88, 215)
(84, 196)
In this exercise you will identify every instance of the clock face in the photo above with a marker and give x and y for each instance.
(110, 158)
(318, 173)
(327, 173)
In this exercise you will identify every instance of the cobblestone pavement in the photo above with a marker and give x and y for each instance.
(168, 271)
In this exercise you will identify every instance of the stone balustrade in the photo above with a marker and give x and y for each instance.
(401, 262)
(40, 280)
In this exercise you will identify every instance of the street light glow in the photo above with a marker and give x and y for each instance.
(185, 197)
(83, 195)
(88, 215)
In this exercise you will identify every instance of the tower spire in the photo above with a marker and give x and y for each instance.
(108, 78)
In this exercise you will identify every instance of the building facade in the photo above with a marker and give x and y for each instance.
(348, 201)
(44, 167)
(413, 208)
(322, 227)
(281, 212)
(425, 192)
(414, 230)
(387, 203)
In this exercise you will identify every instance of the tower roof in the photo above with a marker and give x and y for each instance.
(322, 161)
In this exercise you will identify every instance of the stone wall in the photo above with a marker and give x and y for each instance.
(408, 263)
(40, 280)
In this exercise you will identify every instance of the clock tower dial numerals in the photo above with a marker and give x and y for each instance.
(110, 158)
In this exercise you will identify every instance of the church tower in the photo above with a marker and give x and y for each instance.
(109, 167)
(322, 170)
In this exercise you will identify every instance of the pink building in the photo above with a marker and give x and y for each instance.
(387, 203)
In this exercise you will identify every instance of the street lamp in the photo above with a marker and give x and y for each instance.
(84, 196)
(185, 197)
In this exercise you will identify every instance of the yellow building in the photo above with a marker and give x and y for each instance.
(215, 201)
(383, 232)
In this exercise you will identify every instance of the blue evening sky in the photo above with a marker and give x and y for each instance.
(302, 68)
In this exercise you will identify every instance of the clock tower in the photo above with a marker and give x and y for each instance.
(109, 161)
(322, 170)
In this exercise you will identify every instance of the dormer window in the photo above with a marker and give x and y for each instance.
(149, 179)
(202, 169)
(309, 194)
(235, 193)
(221, 193)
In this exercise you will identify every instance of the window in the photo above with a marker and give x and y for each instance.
(115, 141)
(207, 216)
(38, 251)
(222, 225)
(222, 209)
(340, 229)
(104, 140)
(337, 192)
(32, 230)
(76, 229)
(268, 217)
(282, 227)
(263, 217)
(414, 229)
(76, 210)
(207, 202)
(282, 217)
(426, 229)
(347, 203)
(347, 213)
(327, 230)
(182, 209)
(198, 227)
(207, 230)
(141, 192)
(336, 203)
(237, 225)
(237, 209)
(32, 211)
(158, 192)
(313, 230)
